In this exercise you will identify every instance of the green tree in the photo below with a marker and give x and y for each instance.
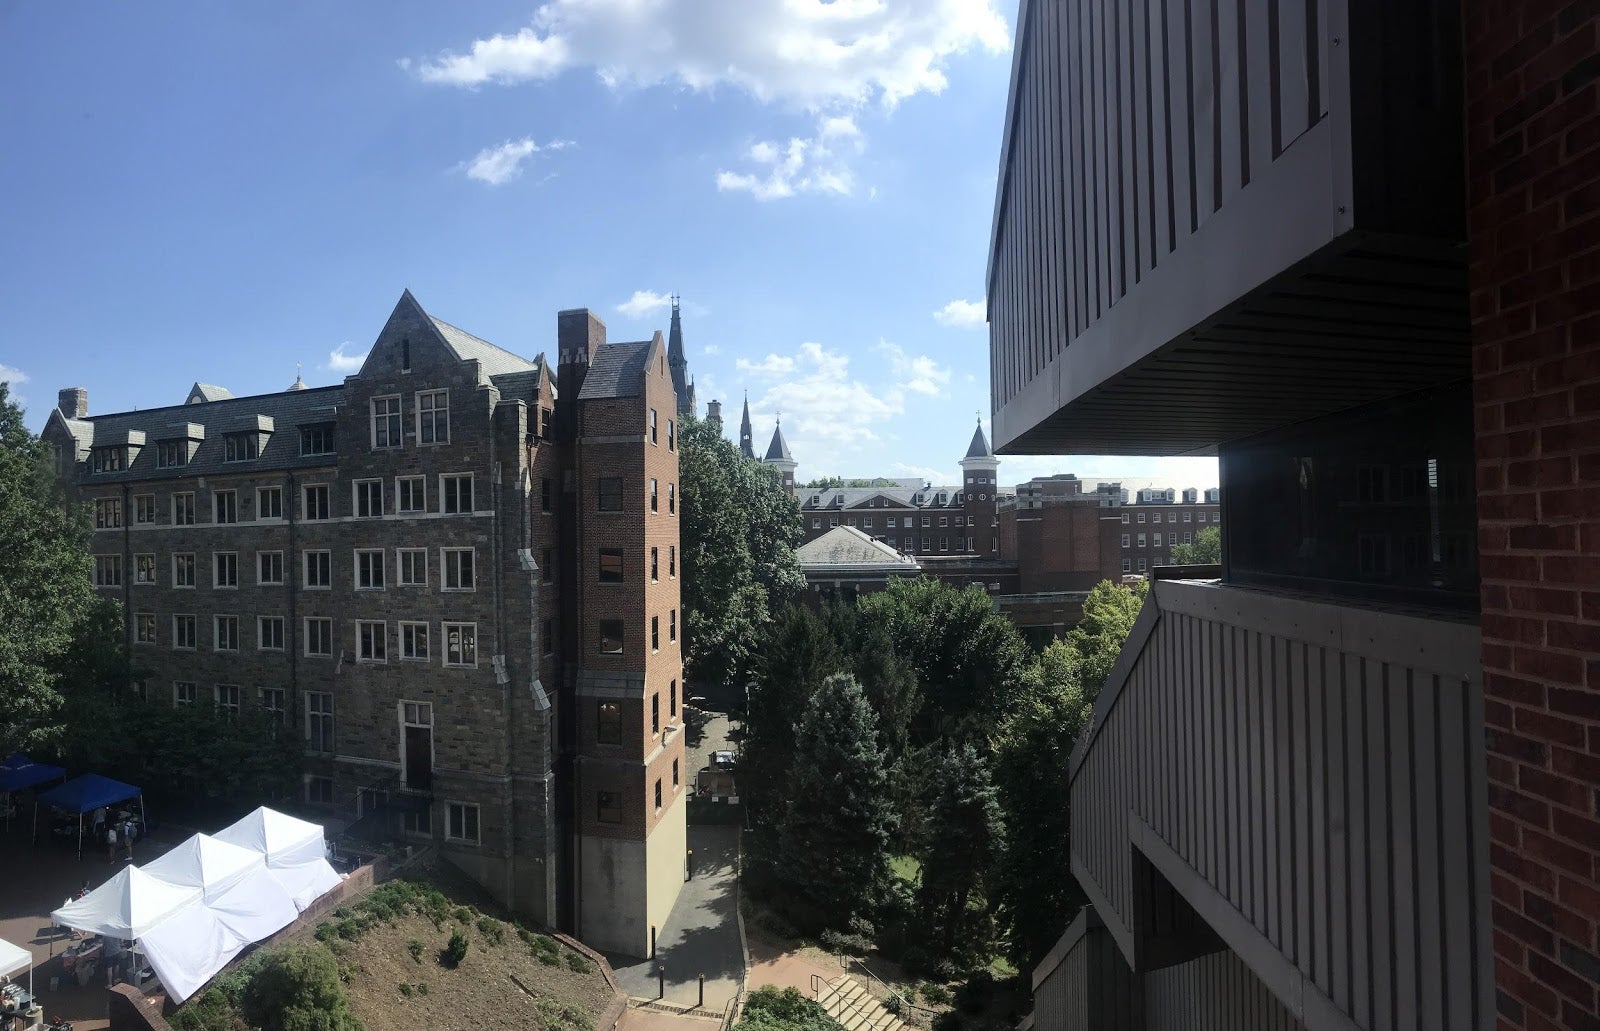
(47, 605)
(962, 835)
(1109, 613)
(771, 1009)
(739, 531)
(298, 989)
(1034, 894)
(836, 832)
(1205, 551)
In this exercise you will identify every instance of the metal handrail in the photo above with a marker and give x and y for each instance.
(845, 961)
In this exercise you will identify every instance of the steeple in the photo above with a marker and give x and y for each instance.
(778, 455)
(979, 448)
(678, 362)
(747, 443)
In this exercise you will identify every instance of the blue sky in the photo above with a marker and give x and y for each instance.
(221, 191)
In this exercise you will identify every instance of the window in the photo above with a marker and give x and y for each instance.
(107, 513)
(672, 499)
(183, 633)
(910, 543)
(414, 642)
(672, 700)
(269, 633)
(925, 544)
(413, 566)
(225, 633)
(610, 565)
(225, 506)
(1141, 540)
(1172, 539)
(544, 495)
(369, 570)
(652, 425)
(927, 520)
(1124, 519)
(654, 502)
(317, 505)
(672, 435)
(144, 628)
(458, 566)
(225, 569)
(549, 637)
(386, 422)
(170, 453)
(319, 636)
(460, 644)
(183, 570)
(672, 560)
(672, 625)
(144, 508)
(319, 721)
(108, 459)
(816, 522)
(1127, 565)
(183, 693)
(609, 494)
(655, 633)
(273, 702)
(608, 806)
(369, 498)
(319, 790)
(1188, 517)
(418, 821)
(611, 637)
(433, 417)
(658, 794)
(269, 503)
(411, 494)
(462, 824)
(655, 569)
(944, 520)
(833, 521)
(655, 713)
(456, 491)
(372, 641)
(144, 569)
(866, 522)
(944, 544)
(1188, 537)
(228, 699)
(1142, 565)
(241, 447)
(675, 780)
(269, 567)
(1141, 517)
(1125, 538)
(608, 723)
(548, 566)
(319, 570)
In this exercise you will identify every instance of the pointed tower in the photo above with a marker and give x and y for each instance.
(978, 476)
(747, 437)
(778, 455)
(678, 362)
(714, 415)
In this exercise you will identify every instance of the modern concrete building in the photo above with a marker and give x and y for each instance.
(455, 574)
(1351, 779)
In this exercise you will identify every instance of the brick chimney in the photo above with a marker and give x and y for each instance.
(579, 334)
(74, 402)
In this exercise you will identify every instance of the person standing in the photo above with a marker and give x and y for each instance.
(111, 843)
(127, 837)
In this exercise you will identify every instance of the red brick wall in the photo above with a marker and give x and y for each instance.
(1533, 124)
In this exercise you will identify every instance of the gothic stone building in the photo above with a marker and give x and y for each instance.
(455, 574)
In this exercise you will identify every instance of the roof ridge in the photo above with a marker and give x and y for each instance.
(467, 333)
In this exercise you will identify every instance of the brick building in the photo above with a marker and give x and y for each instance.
(455, 574)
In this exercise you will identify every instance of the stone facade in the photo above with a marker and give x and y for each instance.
(404, 566)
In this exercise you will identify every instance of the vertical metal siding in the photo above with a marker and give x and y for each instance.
(1212, 993)
(1325, 791)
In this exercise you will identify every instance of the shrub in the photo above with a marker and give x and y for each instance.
(298, 987)
(415, 948)
(405, 989)
(773, 921)
(545, 949)
(863, 927)
(563, 1016)
(210, 1012)
(422, 988)
(894, 1004)
(946, 970)
(493, 930)
(937, 994)
(840, 941)
(463, 914)
(325, 932)
(456, 950)
(974, 995)
(578, 964)
(769, 1009)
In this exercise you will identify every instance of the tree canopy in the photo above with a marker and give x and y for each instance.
(1205, 551)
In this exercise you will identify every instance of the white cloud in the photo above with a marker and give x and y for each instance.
(938, 477)
(819, 164)
(497, 165)
(962, 313)
(340, 360)
(1131, 472)
(808, 54)
(643, 302)
(12, 375)
(711, 350)
(916, 373)
(771, 365)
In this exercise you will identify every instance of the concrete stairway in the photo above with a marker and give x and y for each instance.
(855, 1008)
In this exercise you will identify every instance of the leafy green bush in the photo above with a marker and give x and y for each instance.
(937, 994)
(463, 914)
(415, 948)
(298, 989)
(769, 1009)
(210, 1012)
(578, 964)
(545, 949)
(456, 950)
(841, 941)
(493, 930)
(405, 989)
(422, 988)
(563, 1016)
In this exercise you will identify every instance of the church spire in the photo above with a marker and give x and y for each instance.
(747, 443)
(678, 362)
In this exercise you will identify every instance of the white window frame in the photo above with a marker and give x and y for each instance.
(144, 509)
(183, 505)
(364, 570)
(219, 694)
(453, 810)
(433, 417)
(444, 644)
(141, 620)
(274, 701)
(216, 570)
(1127, 565)
(419, 562)
(221, 499)
(325, 492)
(1143, 567)
(1142, 539)
(262, 493)
(143, 563)
(217, 623)
(444, 494)
(177, 581)
(307, 637)
(305, 570)
(323, 719)
(108, 570)
(409, 484)
(372, 641)
(107, 513)
(179, 693)
(393, 421)
(1126, 539)
(261, 580)
(445, 557)
(194, 632)
(262, 623)
(408, 639)
(361, 496)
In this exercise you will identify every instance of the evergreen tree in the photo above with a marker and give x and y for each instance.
(962, 837)
(836, 833)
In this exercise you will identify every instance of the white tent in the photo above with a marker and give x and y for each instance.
(207, 863)
(294, 849)
(128, 905)
(13, 958)
(188, 948)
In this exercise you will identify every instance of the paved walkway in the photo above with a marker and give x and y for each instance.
(772, 965)
(701, 935)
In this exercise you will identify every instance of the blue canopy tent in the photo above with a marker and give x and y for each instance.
(18, 772)
(85, 794)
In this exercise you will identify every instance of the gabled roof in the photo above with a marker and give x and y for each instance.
(494, 361)
(778, 450)
(861, 497)
(617, 370)
(979, 448)
(847, 549)
(202, 392)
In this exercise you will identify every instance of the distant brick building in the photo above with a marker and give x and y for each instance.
(457, 582)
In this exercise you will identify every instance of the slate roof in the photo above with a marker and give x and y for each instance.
(492, 360)
(778, 450)
(616, 370)
(289, 410)
(202, 392)
(845, 548)
(979, 448)
(858, 497)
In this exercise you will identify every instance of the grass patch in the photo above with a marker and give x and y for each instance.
(906, 868)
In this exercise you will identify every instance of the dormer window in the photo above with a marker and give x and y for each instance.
(108, 459)
(317, 439)
(241, 447)
(172, 453)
